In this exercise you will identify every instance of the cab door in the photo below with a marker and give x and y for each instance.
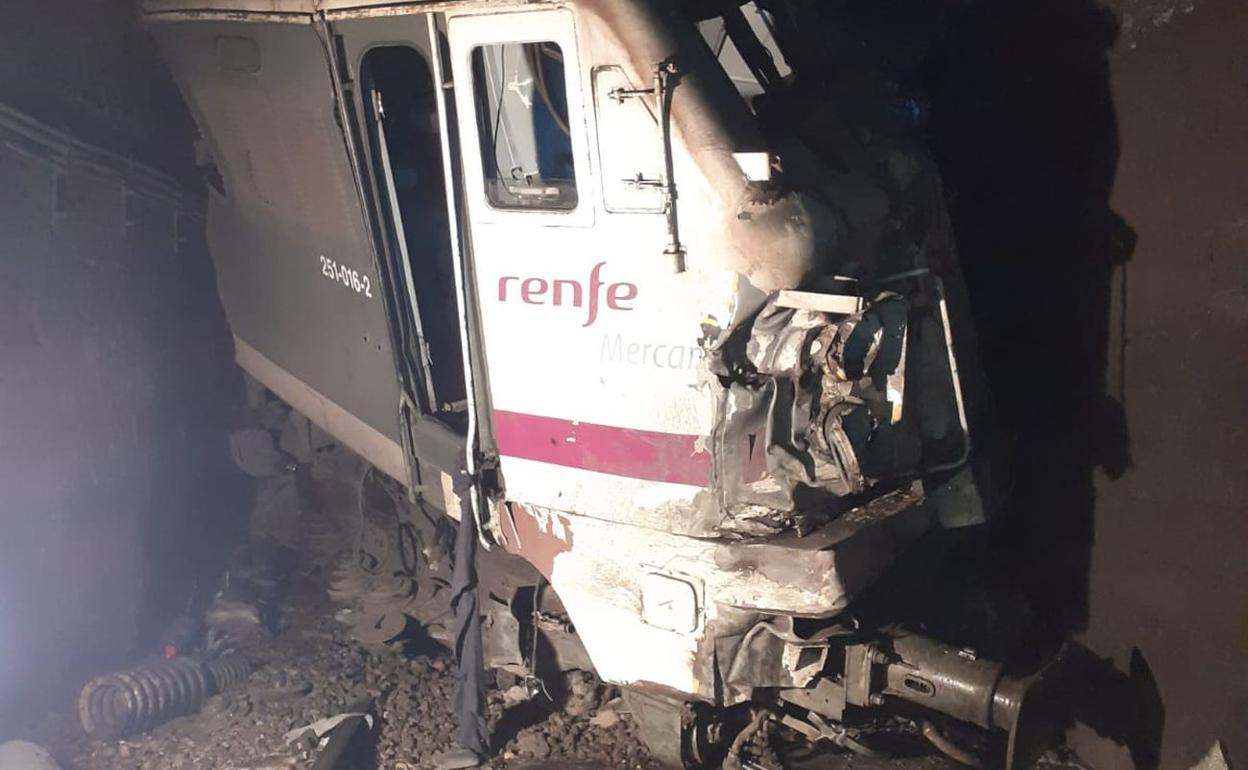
(591, 346)
(391, 96)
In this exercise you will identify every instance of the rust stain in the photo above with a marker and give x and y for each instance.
(525, 536)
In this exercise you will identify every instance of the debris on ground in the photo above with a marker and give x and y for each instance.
(312, 669)
(320, 728)
(328, 687)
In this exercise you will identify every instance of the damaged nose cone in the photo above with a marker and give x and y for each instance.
(781, 241)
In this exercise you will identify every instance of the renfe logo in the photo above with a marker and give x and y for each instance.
(566, 291)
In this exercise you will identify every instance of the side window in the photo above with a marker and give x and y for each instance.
(522, 114)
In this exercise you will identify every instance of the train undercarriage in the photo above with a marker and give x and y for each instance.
(785, 685)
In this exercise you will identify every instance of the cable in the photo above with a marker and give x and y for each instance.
(533, 682)
(539, 72)
(498, 108)
(733, 760)
(359, 537)
(948, 747)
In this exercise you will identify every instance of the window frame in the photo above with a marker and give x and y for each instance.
(392, 222)
(481, 97)
(468, 32)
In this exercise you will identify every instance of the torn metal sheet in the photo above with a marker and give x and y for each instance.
(320, 728)
(813, 410)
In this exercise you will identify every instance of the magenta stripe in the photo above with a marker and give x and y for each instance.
(638, 454)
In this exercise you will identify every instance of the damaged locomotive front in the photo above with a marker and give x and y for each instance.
(654, 292)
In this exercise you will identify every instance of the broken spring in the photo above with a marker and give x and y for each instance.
(134, 701)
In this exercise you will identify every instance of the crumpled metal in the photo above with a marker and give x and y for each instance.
(794, 412)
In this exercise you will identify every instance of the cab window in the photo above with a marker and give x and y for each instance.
(522, 111)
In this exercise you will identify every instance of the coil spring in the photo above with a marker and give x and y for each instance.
(134, 701)
(227, 672)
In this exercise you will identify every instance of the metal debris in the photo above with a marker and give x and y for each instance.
(244, 727)
(322, 727)
(134, 701)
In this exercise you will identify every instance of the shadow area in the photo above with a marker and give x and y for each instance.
(1021, 122)
(1124, 707)
(1025, 134)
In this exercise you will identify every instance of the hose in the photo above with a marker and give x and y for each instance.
(733, 760)
(947, 747)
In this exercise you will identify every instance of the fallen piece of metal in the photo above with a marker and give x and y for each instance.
(322, 727)
(342, 735)
(134, 701)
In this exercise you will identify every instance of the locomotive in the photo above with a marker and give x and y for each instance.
(633, 286)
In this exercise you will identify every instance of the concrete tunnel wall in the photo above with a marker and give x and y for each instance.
(1097, 156)
(1169, 580)
(116, 383)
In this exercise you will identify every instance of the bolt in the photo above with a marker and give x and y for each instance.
(878, 656)
(876, 699)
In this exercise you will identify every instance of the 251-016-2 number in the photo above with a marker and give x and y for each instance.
(352, 279)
